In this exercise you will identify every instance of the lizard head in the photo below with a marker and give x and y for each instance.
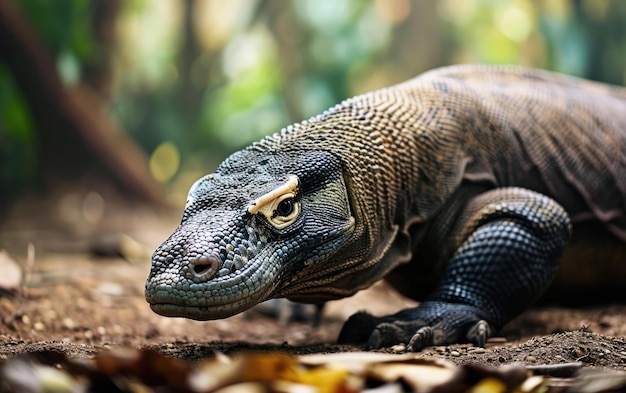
(249, 232)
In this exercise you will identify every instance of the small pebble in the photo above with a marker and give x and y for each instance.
(531, 358)
(455, 353)
(117, 329)
(299, 335)
(101, 330)
(68, 323)
(400, 348)
(38, 326)
(88, 334)
(479, 350)
(25, 320)
(83, 303)
(111, 289)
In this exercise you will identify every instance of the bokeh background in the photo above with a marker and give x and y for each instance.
(148, 95)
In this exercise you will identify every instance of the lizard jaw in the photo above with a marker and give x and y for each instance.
(199, 313)
(173, 295)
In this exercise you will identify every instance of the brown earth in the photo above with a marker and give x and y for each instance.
(76, 302)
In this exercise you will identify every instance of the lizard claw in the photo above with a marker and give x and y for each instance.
(387, 334)
(424, 337)
(374, 341)
(479, 333)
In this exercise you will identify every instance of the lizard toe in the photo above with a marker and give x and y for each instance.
(390, 333)
(479, 333)
(424, 337)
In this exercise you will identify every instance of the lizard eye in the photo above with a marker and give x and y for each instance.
(279, 206)
(285, 207)
(285, 210)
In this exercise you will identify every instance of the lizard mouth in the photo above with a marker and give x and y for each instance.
(199, 313)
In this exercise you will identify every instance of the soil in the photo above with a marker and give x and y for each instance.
(79, 296)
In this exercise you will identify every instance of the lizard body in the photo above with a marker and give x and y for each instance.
(459, 186)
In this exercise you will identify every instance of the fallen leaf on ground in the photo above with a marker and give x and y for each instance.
(131, 370)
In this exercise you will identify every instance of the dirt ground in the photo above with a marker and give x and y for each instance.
(75, 301)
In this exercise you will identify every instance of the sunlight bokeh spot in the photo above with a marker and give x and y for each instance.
(515, 23)
(164, 161)
(92, 207)
(393, 11)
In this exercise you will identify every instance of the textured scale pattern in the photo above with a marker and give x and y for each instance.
(459, 187)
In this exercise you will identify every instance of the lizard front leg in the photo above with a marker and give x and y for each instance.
(511, 242)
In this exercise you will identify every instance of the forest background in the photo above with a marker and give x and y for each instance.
(150, 95)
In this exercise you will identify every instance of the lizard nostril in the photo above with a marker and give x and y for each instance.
(205, 266)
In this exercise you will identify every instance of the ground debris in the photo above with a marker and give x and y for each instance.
(124, 369)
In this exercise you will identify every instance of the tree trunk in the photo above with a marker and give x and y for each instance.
(75, 134)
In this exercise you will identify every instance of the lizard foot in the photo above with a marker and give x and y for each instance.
(432, 335)
(434, 323)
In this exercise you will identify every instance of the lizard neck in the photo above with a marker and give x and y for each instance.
(398, 171)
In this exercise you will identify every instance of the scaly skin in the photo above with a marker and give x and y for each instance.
(459, 187)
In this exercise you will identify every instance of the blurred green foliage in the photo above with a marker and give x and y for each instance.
(16, 136)
(210, 76)
(65, 31)
(63, 26)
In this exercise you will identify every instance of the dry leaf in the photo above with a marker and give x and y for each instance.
(419, 376)
(419, 373)
(489, 385)
(147, 366)
(592, 381)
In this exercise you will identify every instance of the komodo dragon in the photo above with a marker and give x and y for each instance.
(460, 187)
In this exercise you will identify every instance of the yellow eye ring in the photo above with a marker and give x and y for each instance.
(279, 206)
(280, 220)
